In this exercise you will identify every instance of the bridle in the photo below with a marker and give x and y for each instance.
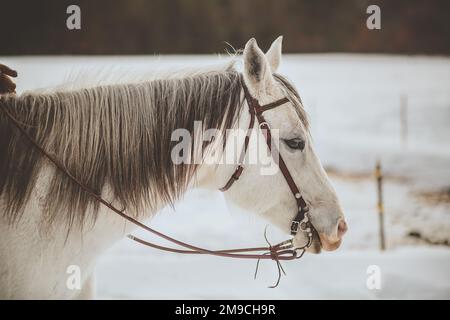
(301, 220)
(282, 251)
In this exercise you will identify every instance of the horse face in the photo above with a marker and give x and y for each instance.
(268, 194)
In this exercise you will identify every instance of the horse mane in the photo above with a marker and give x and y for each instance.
(117, 135)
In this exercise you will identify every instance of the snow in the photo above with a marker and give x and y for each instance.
(408, 271)
(354, 105)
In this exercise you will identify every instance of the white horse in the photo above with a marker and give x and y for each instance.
(117, 140)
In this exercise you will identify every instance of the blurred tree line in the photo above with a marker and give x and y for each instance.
(203, 26)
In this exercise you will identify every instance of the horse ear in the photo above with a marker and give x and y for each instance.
(273, 55)
(257, 73)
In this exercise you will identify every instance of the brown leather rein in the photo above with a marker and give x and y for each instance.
(282, 251)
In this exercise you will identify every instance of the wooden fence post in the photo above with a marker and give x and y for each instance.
(380, 206)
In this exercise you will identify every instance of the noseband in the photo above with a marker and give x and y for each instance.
(282, 251)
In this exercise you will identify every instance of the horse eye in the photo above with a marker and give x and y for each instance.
(296, 144)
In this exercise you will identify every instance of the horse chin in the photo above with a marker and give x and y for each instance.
(316, 245)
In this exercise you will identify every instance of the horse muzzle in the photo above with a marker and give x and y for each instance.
(331, 242)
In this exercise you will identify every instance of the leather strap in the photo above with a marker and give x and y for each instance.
(240, 168)
(300, 221)
(237, 173)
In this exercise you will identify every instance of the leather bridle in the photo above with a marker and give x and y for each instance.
(282, 251)
(301, 220)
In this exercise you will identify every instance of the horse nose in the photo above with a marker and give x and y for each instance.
(342, 228)
(332, 241)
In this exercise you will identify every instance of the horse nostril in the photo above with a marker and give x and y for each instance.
(342, 228)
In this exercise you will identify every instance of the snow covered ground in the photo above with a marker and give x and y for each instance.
(354, 105)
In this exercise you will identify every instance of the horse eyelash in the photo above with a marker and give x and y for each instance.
(292, 143)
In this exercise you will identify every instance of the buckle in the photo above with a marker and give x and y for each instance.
(295, 225)
(303, 224)
(237, 173)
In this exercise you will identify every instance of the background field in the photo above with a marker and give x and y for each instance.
(354, 105)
